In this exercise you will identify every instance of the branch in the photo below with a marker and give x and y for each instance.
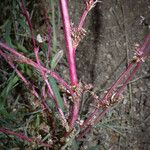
(21, 58)
(31, 30)
(68, 41)
(24, 138)
(140, 55)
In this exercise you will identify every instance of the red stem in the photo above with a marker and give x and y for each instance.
(107, 95)
(88, 120)
(28, 21)
(128, 79)
(118, 92)
(82, 19)
(68, 41)
(88, 128)
(70, 58)
(28, 61)
(110, 91)
(20, 74)
(31, 30)
(100, 116)
(23, 137)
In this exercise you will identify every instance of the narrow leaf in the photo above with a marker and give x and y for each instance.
(12, 82)
(7, 30)
(75, 145)
(56, 59)
(56, 92)
(22, 48)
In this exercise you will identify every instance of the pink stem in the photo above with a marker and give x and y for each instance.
(23, 137)
(70, 57)
(82, 19)
(31, 30)
(107, 95)
(81, 23)
(28, 61)
(75, 111)
(88, 128)
(68, 41)
(118, 92)
(128, 79)
(110, 91)
(19, 74)
(88, 120)
(33, 90)
(144, 50)
(100, 116)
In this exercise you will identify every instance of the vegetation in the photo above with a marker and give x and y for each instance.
(38, 108)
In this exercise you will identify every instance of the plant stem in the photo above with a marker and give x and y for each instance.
(68, 41)
(23, 137)
(27, 83)
(128, 79)
(71, 59)
(21, 58)
(31, 30)
(82, 19)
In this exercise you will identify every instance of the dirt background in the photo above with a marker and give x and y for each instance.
(114, 27)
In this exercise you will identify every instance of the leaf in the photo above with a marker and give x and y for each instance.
(75, 145)
(28, 71)
(56, 59)
(94, 148)
(12, 82)
(4, 115)
(23, 24)
(56, 92)
(37, 122)
(7, 31)
(22, 48)
(3, 111)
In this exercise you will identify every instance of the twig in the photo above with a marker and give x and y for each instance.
(68, 41)
(21, 58)
(31, 30)
(70, 58)
(20, 75)
(23, 137)
(138, 59)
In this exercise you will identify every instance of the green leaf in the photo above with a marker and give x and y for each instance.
(3, 111)
(56, 92)
(37, 122)
(75, 145)
(28, 71)
(56, 59)
(12, 82)
(94, 148)
(22, 48)
(23, 24)
(4, 115)
(7, 30)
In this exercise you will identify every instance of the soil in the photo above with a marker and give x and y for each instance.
(114, 27)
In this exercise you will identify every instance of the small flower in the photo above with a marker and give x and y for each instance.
(91, 3)
(77, 36)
